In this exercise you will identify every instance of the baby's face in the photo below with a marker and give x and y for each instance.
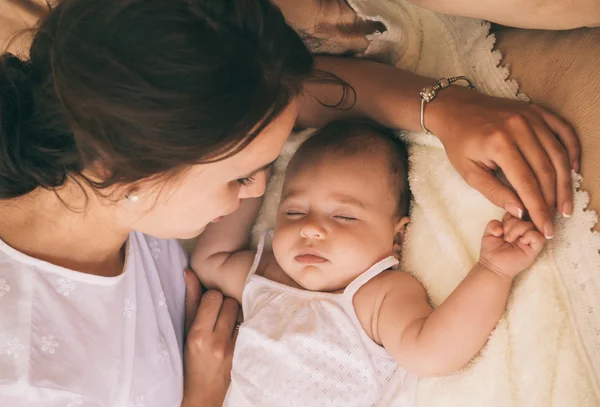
(335, 220)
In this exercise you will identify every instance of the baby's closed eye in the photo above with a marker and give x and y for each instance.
(345, 218)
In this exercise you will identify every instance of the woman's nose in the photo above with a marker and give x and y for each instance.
(256, 189)
(312, 230)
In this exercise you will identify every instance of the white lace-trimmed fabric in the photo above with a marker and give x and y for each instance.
(298, 348)
(69, 339)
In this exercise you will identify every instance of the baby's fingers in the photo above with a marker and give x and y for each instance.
(493, 228)
(533, 239)
(514, 230)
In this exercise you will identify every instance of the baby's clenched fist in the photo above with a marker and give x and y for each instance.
(510, 246)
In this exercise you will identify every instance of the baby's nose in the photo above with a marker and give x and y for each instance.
(311, 230)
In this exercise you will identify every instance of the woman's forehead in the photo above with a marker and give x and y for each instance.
(267, 145)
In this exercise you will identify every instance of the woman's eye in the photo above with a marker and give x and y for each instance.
(345, 218)
(247, 181)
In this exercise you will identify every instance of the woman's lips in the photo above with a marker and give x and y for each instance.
(310, 259)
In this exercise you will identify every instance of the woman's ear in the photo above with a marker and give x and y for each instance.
(399, 230)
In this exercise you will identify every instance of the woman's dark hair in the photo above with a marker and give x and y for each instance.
(144, 87)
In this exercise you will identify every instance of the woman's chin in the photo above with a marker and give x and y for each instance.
(191, 234)
(195, 233)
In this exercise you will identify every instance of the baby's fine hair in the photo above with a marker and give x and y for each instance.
(351, 137)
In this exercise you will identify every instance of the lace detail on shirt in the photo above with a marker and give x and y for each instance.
(4, 287)
(49, 344)
(154, 247)
(65, 286)
(138, 401)
(162, 351)
(128, 308)
(14, 347)
(76, 401)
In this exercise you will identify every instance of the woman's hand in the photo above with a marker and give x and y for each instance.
(535, 149)
(210, 327)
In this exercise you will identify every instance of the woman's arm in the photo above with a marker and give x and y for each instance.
(549, 15)
(481, 134)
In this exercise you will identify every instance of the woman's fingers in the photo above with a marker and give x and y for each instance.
(533, 151)
(193, 292)
(494, 190)
(208, 311)
(227, 318)
(560, 161)
(524, 181)
(565, 133)
(563, 158)
(209, 351)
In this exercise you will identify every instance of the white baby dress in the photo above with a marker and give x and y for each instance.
(299, 348)
(70, 339)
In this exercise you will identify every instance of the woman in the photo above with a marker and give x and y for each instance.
(154, 118)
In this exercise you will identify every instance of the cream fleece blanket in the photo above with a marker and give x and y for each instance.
(546, 349)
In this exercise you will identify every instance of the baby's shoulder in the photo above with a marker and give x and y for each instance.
(371, 295)
(389, 280)
(266, 263)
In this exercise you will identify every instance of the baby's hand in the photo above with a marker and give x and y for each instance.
(510, 246)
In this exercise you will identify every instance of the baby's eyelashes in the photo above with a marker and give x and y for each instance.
(345, 218)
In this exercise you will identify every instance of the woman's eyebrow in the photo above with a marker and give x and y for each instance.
(256, 171)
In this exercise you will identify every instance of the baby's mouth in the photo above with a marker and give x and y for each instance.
(310, 257)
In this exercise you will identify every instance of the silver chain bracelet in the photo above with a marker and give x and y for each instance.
(430, 92)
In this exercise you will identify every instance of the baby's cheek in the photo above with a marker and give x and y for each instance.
(371, 250)
(280, 247)
(358, 254)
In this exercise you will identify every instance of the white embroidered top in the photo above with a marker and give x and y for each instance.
(304, 348)
(71, 339)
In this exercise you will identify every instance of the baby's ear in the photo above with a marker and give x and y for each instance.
(399, 230)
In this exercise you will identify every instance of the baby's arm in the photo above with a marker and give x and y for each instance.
(434, 343)
(393, 307)
(221, 257)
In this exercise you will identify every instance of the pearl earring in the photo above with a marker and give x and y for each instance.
(132, 197)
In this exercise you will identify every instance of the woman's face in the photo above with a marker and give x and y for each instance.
(183, 206)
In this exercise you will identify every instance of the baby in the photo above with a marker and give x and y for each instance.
(328, 320)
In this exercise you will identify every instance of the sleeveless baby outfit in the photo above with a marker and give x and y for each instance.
(299, 348)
